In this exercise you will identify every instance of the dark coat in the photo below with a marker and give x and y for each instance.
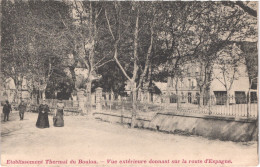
(43, 120)
(22, 108)
(7, 108)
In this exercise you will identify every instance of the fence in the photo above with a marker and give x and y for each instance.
(226, 106)
(70, 107)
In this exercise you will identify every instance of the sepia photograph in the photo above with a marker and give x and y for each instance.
(129, 83)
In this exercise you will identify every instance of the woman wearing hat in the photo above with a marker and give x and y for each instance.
(58, 115)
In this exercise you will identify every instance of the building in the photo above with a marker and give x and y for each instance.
(156, 93)
(228, 78)
(9, 91)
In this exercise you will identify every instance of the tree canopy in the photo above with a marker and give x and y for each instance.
(141, 42)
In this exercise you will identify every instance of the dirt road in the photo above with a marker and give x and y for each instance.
(94, 143)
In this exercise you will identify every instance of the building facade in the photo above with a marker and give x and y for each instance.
(229, 82)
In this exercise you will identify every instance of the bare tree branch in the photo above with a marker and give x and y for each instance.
(109, 26)
(96, 67)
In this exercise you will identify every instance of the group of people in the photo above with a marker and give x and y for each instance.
(42, 120)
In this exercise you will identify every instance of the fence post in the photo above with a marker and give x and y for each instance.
(122, 111)
(165, 105)
(247, 106)
(80, 95)
(178, 101)
(98, 99)
(110, 101)
(209, 104)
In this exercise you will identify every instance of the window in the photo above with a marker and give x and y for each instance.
(240, 97)
(190, 84)
(182, 84)
(189, 72)
(182, 95)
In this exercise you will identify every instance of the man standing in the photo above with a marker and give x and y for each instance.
(22, 109)
(6, 110)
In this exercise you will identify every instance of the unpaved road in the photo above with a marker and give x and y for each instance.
(103, 143)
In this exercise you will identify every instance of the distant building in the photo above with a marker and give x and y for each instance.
(9, 90)
(156, 93)
(187, 88)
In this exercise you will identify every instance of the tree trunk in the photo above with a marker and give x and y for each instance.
(149, 79)
(38, 97)
(89, 100)
(134, 111)
(72, 69)
(201, 96)
(73, 75)
(177, 95)
(43, 94)
(19, 90)
(208, 83)
(228, 98)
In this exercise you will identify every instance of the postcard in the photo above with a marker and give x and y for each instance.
(129, 83)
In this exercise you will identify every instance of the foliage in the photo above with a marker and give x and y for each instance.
(112, 80)
(30, 42)
(142, 41)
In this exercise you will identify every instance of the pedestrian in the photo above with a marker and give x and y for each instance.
(58, 120)
(43, 120)
(22, 109)
(6, 110)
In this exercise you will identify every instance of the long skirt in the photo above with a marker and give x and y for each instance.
(58, 120)
(43, 120)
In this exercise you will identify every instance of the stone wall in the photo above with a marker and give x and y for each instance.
(230, 129)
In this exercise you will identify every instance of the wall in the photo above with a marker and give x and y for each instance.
(210, 127)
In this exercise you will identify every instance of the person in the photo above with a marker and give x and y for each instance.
(43, 120)
(22, 109)
(58, 120)
(6, 110)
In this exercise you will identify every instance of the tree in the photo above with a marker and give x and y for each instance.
(128, 19)
(178, 41)
(31, 48)
(84, 33)
(220, 28)
(112, 80)
(204, 29)
(46, 43)
(228, 65)
(13, 56)
(60, 85)
(250, 10)
(250, 54)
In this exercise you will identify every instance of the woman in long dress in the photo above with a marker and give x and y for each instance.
(43, 120)
(58, 120)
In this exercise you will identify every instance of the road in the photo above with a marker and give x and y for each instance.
(94, 143)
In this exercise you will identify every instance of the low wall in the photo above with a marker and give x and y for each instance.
(141, 122)
(238, 130)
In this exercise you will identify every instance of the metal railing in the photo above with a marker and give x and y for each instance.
(241, 106)
(223, 106)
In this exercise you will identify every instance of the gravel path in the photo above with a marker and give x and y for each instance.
(96, 143)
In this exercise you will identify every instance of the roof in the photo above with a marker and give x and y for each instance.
(157, 87)
(10, 83)
(161, 85)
